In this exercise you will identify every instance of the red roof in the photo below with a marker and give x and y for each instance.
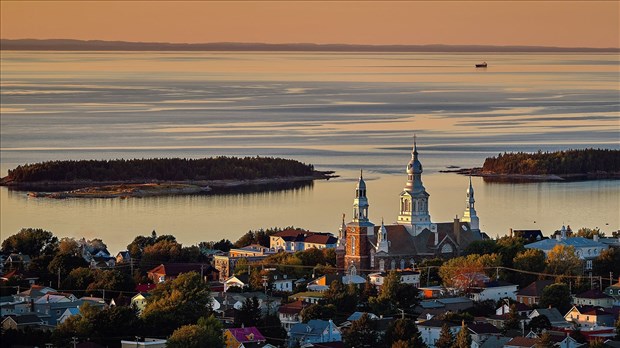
(174, 269)
(521, 342)
(247, 334)
(292, 308)
(592, 294)
(145, 287)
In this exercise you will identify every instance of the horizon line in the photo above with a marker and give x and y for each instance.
(91, 44)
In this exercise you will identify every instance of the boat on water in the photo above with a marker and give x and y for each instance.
(481, 65)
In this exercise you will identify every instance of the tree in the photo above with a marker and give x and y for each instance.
(446, 338)
(31, 241)
(271, 327)
(178, 302)
(539, 323)
(545, 341)
(508, 247)
(403, 330)
(65, 263)
(531, 260)
(463, 338)
(481, 247)
(363, 333)
(589, 232)
(250, 313)
(596, 343)
(563, 261)
(206, 333)
(556, 295)
(606, 262)
(513, 319)
(467, 271)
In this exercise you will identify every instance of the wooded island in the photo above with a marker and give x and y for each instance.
(122, 178)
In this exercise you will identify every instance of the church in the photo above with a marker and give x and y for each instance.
(364, 247)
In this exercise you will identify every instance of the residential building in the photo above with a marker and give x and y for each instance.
(69, 312)
(290, 313)
(293, 240)
(521, 342)
(238, 337)
(553, 314)
(22, 321)
(240, 281)
(308, 296)
(589, 316)
(495, 290)
(530, 295)
(17, 261)
(593, 297)
(323, 282)
(586, 249)
(522, 309)
(123, 257)
(147, 342)
(613, 290)
(226, 263)
(431, 329)
(170, 271)
(314, 331)
(481, 332)
(139, 300)
(407, 276)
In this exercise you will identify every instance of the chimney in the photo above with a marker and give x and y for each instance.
(595, 237)
(558, 237)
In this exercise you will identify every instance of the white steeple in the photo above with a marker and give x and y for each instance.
(470, 214)
(360, 203)
(414, 198)
(342, 234)
(382, 240)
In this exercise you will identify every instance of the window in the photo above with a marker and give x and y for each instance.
(353, 245)
(393, 264)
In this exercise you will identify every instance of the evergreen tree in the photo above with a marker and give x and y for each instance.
(250, 313)
(446, 338)
(362, 334)
(403, 330)
(463, 338)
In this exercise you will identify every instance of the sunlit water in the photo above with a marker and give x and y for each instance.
(338, 111)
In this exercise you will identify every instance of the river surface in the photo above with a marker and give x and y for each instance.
(338, 111)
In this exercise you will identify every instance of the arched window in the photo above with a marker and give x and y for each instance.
(372, 258)
(353, 245)
(406, 205)
(447, 249)
(402, 264)
(393, 264)
(382, 265)
(352, 270)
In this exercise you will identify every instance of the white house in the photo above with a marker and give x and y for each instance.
(406, 277)
(431, 329)
(69, 312)
(241, 281)
(495, 290)
(315, 331)
(586, 249)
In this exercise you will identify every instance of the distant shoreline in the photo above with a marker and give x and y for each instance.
(99, 45)
(510, 178)
(73, 189)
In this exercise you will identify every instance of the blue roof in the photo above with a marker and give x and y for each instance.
(577, 242)
(313, 327)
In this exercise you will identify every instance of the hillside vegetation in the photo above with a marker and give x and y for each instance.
(584, 161)
(159, 169)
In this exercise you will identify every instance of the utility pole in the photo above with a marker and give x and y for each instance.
(103, 295)
(611, 278)
(74, 341)
(131, 264)
(58, 277)
(428, 275)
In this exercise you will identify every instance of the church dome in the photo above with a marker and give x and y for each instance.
(414, 166)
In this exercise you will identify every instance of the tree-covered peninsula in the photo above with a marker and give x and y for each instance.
(569, 163)
(103, 178)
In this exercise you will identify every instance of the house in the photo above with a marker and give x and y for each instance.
(586, 249)
(561, 339)
(17, 261)
(281, 282)
(308, 296)
(238, 337)
(521, 342)
(292, 240)
(614, 291)
(241, 282)
(290, 313)
(169, 271)
(20, 322)
(51, 311)
(481, 332)
(430, 330)
(123, 257)
(69, 312)
(323, 282)
(495, 290)
(530, 295)
(522, 309)
(491, 342)
(406, 277)
(266, 303)
(589, 316)
(553, 314)
(139, 300)
(9, 306)
(314, 331)
(432, 291)
(593, 297)
(226, 263)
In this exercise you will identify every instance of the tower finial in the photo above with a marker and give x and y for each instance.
(361, 173)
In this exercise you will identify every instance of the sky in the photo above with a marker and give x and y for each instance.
(536, 23)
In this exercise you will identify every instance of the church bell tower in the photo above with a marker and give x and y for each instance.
(414, 198)
(357, 258)
(470, 214)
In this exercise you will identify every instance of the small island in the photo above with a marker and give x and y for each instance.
(582, 164)
(154, 177)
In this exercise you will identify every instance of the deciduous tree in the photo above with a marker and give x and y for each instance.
(557, 296)
(563, 261)
(446, 338)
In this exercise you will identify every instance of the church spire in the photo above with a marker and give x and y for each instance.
(382, 240)
(470, 214)
(360, 203)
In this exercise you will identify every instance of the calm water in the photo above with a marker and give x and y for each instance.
(338, 111)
